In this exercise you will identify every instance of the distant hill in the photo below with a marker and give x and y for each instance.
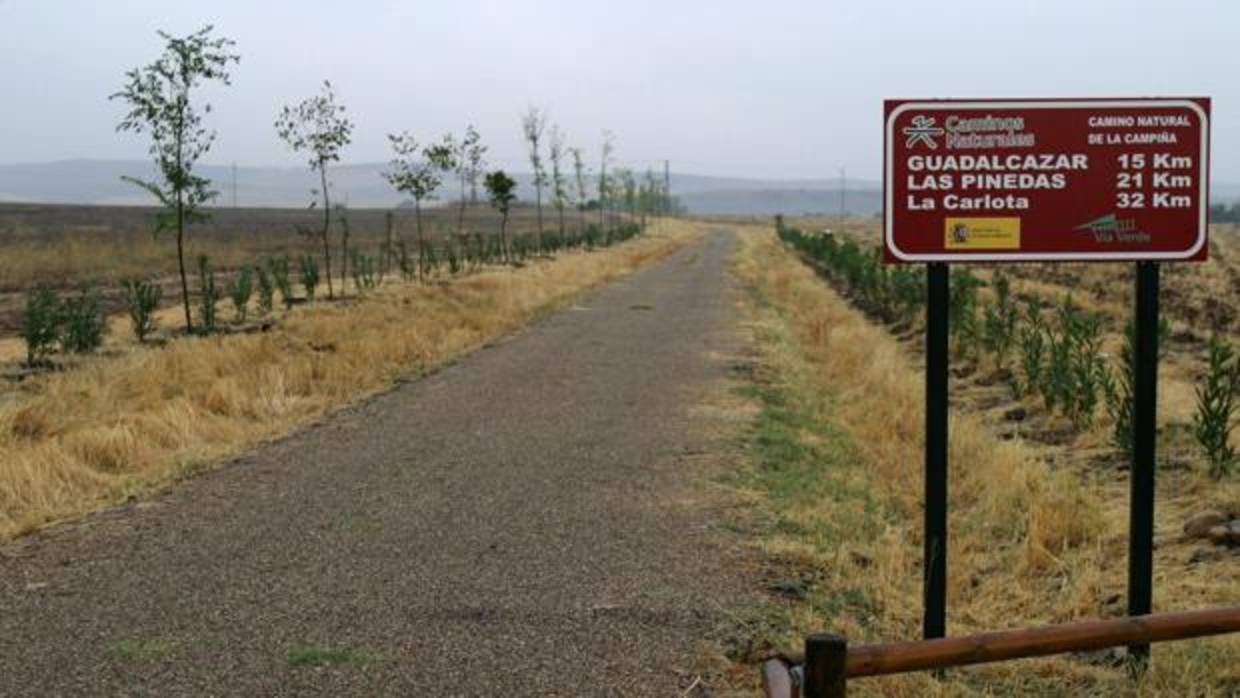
(362, 186)
(763, 201)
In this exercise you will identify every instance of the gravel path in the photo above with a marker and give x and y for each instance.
(513, 525)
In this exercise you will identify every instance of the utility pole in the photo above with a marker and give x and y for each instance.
(234, 184)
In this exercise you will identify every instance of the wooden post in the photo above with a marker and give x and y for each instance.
(826, 661)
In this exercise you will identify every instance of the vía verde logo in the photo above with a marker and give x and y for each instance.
(1109, 223)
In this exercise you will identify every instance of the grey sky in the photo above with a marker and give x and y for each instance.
(764, 88)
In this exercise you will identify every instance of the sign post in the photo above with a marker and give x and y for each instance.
(935, 539)
(1044, 180)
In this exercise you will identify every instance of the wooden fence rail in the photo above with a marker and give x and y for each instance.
(829, 662)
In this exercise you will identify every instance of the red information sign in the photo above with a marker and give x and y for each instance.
(1046, 180)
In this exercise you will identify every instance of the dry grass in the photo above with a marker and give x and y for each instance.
(839, 471)
(116, 425)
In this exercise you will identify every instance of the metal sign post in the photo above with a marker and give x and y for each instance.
(1044, 180)
(1144, 435)
(934, 594)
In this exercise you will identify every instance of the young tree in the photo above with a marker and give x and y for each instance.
(476, 155)
(579, 172)
(159, 99)
(559, 185)
(467, 161)
(629, 189)
(649, 195)
(500, 189)
(603, 183)
(533, 123)
(418, 172)
(318, 126)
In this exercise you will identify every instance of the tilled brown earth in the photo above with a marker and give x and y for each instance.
(514, 525)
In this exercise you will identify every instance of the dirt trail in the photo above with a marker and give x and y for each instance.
(514, 525)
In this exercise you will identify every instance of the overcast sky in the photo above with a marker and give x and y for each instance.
(765, 88)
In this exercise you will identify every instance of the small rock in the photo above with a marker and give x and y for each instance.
(1198, 525)
(1201, 555)
(1221, 535)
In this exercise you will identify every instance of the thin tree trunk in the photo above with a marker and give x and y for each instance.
(538, 196)
(327, 226)
(387, 248)
(189, 321)
(560, 206)
(417, 212)
(503, 237)
(460, 215)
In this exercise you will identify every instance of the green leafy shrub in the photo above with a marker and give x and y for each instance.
(364, 272)
(208, 297)
(1215, 416)
(309, 276)
(240, 289)
(962, 312)
(279, 268)
(266, 290)
(999, 321)
(141, 300)
(41, 322)
(405, 262)
(82, 322)
(1032, 348)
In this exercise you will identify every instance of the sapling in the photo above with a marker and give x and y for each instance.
(82, 322)
(500, 188)
(408, 270)
(208, 296)
(533, 123)
(280, 276)
(40, 325)
(579, 178)
(239, 290)
(962, 311)
(604, 184)
(345, 256)
(1118, 387)
(417, 172)
(309, 276)
(319, 127)
(1215, 417)
(468, 163)
(159, 99)
(266, 290)
(141, 299)
(999, 321)
(1032, 347)
(559, 183)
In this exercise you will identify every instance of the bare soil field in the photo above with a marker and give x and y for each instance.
(67, 247)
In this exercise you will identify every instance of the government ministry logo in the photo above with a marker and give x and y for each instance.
(923, 130)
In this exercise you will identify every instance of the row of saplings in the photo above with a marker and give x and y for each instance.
(76, 323)
(1052, 352)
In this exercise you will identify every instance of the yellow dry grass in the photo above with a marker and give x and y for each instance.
(1031, 542)
(116, 425)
